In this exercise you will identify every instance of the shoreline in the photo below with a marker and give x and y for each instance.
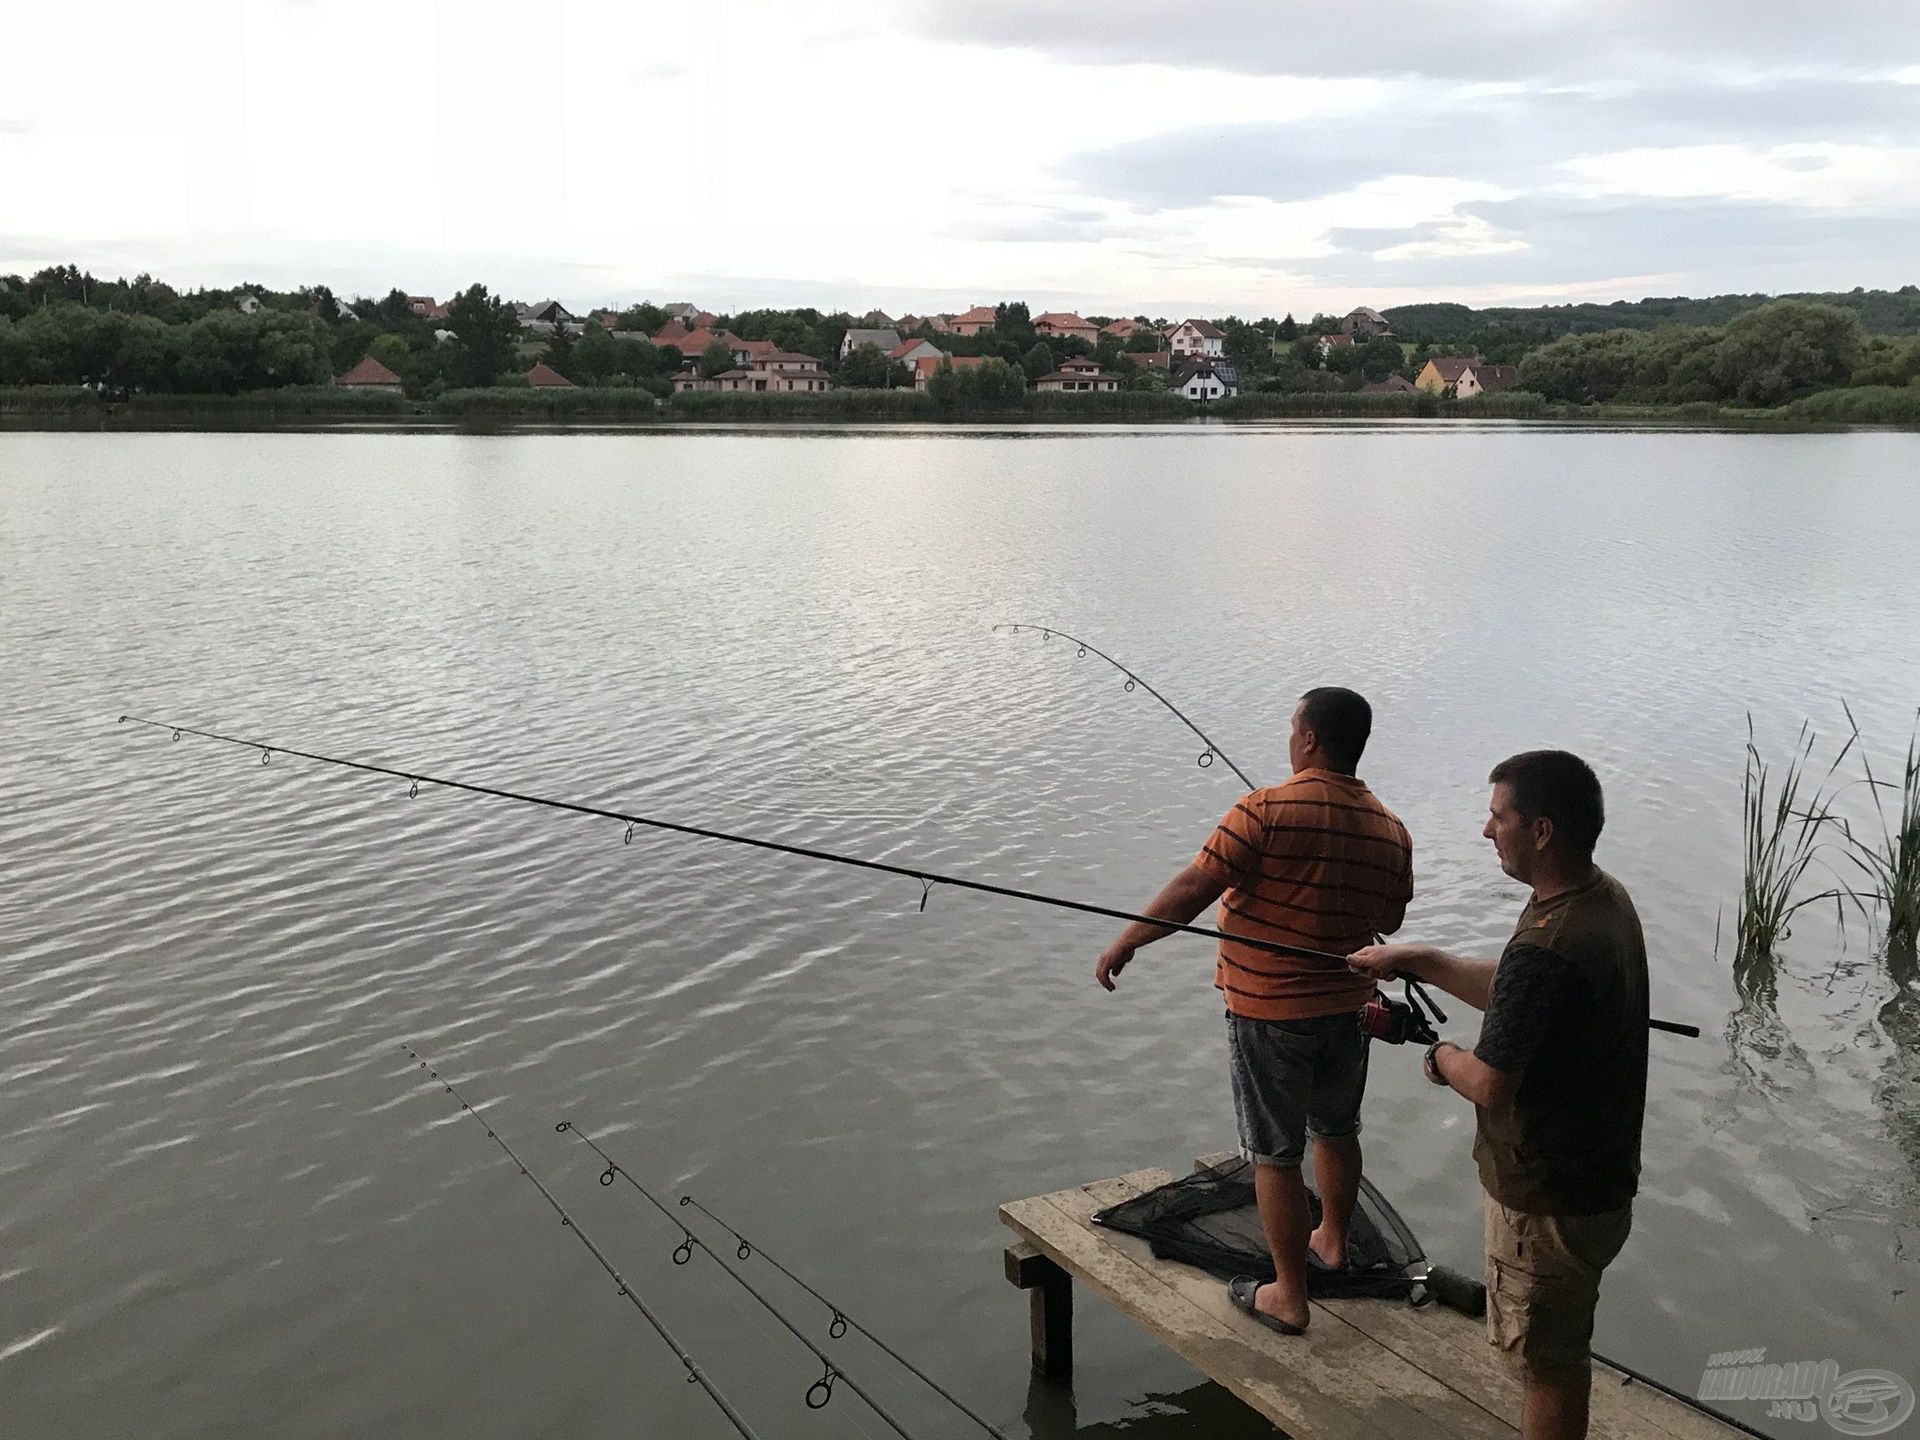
(330, 411)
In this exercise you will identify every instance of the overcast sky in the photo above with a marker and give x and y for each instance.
(1111, 156)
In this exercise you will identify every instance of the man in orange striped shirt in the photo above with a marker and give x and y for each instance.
(1318, 863)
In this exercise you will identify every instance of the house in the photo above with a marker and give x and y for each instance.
(422, 306)
(877, 320)
(1365, 323)
(692, 344)
(883, 339)
(1056, 322)
(1496, 377)
(1392, 385)
(672, 333)
(1197, 337)
(924, 367)
(1122, 329)
(1202, 379)
(907, 352)
(773, 372)
(682, 310)
(369, 374)
(1160, 360)
(980, 317)
(1453, 373)
(247, 304)
(544, 377)
(1081, 375)
(547, 316)
(1327, 344)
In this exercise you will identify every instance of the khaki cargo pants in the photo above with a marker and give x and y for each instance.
(1543, 1281)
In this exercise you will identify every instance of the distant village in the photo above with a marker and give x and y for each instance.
(1075, 355)
(1848, 354)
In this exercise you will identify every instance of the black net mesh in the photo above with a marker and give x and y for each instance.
(1208, 1219)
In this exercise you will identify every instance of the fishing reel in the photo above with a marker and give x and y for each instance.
(1397, 1021)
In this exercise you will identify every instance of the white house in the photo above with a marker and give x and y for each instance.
(1197, 337)
(1203, 380)
(886, 340)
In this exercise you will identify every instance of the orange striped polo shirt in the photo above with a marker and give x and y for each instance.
(1316, 862)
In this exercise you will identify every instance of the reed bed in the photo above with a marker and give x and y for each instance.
(1891, 860)
(1784, 826)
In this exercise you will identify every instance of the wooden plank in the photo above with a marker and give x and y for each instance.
(1446, 1343)
(1332, 1338)
(1327, 1383)
(1049, 1308)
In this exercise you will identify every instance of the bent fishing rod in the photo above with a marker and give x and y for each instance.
(744, 1250)
(694, 1372)
(1047, 632)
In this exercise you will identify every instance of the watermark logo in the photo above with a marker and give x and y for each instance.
(1860, 1402)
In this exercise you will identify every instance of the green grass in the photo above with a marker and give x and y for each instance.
(1891, 861)
(1783, 828)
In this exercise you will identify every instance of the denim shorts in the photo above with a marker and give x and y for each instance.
(1295, 1076)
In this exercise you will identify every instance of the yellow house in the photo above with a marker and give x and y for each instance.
(1454, 372)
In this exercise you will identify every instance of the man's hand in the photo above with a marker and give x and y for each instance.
(1113, 960)
(1382, 962)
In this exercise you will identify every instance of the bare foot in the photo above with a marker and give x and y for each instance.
(1269, 1301)
(1332, 1254)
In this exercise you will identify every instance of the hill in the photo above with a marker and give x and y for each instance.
(1881, 312)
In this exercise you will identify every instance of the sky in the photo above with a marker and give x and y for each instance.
(1166, 157)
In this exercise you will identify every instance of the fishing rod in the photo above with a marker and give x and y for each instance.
(1047, 632)
(745, 1249)
(694, 1372)
(927, 878)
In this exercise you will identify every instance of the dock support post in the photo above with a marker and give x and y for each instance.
(1049, 1308)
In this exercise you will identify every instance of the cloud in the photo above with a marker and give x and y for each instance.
(1509, 137)
(1494, 40)
(1699, 245)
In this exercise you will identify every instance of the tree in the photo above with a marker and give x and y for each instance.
(944, 385)
(486, 337)
(1289, 330)
(716, 359)
(996, 385)
(559, 349)
(1585, 369)
(1247, 347)
(643, 317)
(1037, 362)
(865, 368)
(1788, 348)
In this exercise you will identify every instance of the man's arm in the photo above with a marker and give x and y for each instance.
(1537, 990)
(1184, 897)
(1468, 980)
(1449, 1064)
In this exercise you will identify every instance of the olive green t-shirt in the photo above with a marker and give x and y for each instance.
(1568, 1016)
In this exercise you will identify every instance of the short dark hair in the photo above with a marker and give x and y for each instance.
(1563, 788)
(1340, 720)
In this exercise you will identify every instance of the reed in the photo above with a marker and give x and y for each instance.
(1783, 828)
(1891, 860)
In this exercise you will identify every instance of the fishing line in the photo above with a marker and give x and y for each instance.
(694, 1372)
(823, 1387)
(745, 1249)
(1047, 632)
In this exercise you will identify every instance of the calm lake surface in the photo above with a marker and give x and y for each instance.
(229, 1205)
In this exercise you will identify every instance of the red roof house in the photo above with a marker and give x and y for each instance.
(545, 376)
(369, 374)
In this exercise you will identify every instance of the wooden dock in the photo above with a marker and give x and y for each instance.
(1365, 1369)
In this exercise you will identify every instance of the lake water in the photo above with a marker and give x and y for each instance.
(232, 1208)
